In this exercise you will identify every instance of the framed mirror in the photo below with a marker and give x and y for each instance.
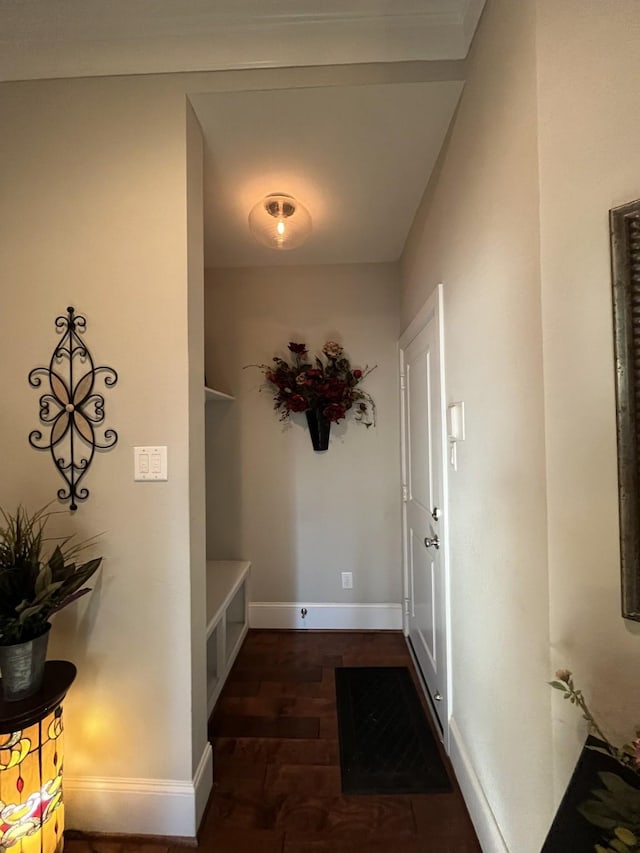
(625, 260)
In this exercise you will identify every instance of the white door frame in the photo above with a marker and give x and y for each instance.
(432, 307)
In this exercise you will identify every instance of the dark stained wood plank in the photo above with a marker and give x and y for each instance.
(290, 674)
(313, 780)
(241, 841)
(355, 815)
(360, 658)
(108, 845)
(241, 811)
(328, 727)
(324, 689)
(231, 725)
(241, 751)
(244, 787)
(276, 706)
(436, 810)
(291, 659)
(242, 688)
(320, 843)
(257, 640)
(225, 768)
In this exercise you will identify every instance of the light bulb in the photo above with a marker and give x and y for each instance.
(280, 221)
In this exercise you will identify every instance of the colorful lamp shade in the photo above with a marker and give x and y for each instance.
(280, 221)
(31, 761)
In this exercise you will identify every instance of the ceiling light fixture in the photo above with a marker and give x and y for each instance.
(280, 221)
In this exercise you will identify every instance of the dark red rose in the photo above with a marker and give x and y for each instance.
(312, 375)
(279, 377)
(335, 389)
(297, 403)
(298, 349)
(357, 374)
(334, 412)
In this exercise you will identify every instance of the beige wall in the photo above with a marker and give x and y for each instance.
(477, 231)
(303, 517)
(515, 223)
(93, 214)
(197, 516)
(589, 68)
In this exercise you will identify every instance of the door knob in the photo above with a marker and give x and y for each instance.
(432, 543)
(438, 696)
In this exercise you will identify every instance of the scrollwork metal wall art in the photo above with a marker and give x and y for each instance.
(71, 408)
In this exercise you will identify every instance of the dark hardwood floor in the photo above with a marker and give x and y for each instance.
(276, 763)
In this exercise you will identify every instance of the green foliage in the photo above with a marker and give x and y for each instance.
(36, 580)
(615, 807)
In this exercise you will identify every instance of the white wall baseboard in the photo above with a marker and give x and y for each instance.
(362, 617)
(482, 816)
(203, 783)
(139, 806)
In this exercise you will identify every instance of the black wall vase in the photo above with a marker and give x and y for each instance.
(319, 428)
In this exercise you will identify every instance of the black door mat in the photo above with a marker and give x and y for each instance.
(386, 743)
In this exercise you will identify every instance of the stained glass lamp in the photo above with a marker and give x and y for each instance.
(31, 805)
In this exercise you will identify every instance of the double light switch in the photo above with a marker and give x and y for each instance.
(150, 463)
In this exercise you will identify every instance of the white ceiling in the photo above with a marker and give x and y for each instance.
(74, 38)
(358, 156)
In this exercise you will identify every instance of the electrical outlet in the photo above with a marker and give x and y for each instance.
(347, 580)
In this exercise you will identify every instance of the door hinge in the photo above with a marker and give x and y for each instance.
(405, 494)
(403, 382)
(406, 606)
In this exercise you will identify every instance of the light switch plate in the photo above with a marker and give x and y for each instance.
(150, 464)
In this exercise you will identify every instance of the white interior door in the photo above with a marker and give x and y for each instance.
(424, 500)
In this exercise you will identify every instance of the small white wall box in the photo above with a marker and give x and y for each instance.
(150, 464)
(455, 431)
(455, 422)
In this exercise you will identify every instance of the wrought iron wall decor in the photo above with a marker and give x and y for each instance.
(71, 408)
(625, 255)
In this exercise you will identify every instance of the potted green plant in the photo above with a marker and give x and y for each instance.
(38, 577)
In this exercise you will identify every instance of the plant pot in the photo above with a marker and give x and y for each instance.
(319, 428)
(22, 667)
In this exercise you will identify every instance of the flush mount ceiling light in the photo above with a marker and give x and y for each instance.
(280, 222)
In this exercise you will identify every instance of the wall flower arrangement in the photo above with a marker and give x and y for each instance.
(324, 388)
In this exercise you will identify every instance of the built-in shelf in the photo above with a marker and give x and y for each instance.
(227, 621)
(227, 597)
(213, 396)
(235, 634)
(224, 578)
